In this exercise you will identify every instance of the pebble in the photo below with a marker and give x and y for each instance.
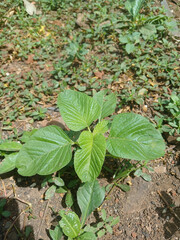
(178, 190)
(160, 169)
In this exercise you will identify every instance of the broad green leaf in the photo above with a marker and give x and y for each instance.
(101, 127)
(27, 135)
(148, 30)
(47, 151)
(135, 6)
(77, 109)
(70, 224)
(8, 163)
(50, 192)
(134, 137)
(129, 48)
(10, 146)
(89, 197)
(56, 234)
(87, 236)
(106, 102)
(69, 199)
(89, 159)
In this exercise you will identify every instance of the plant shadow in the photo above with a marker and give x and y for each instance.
(10, 226)
(171, 214)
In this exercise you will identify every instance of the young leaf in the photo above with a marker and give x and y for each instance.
(77, 109)
(2, 202)
(10, 146)
(8, 163)
(89, 197)
(101, 127)
(146, 177)
(103, 214)
(124, 187)
(129, 48)
(47, 151)
(69, 199)
(134, 137)
(56, 234)
(50, 192)
(87, 236)
(89, 159)
(107, 103)
(58, 181)
(70, 224)
(101, 233)
(136, 6)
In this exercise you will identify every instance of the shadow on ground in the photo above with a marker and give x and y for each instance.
(171, 215)
(10, 228)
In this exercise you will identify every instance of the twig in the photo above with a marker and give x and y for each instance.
(42, 221)
(167, 204)
(20, 200)
(4, 188)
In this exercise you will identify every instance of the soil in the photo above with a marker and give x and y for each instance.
(150, 210)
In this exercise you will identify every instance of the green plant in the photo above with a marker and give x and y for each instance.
(3, 213)
(49, 149)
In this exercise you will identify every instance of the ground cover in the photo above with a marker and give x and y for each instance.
(90, 47)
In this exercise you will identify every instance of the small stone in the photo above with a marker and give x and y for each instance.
(134, 234)
(178, 190)
(160, 169)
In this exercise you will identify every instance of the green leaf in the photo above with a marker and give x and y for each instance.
(129, 48)
(135, 7)
(87, 236)
(103, 214)
(89, 197)
(58, 181)
(6, 214)
(70, 224)
(56, 234)
(124, 187)
(109, 228)
(2, 202)
(50, 192)
(115, 221)
(101, 233)
(61, 190)
(47, 151)
(8, 163)
(89, 159)
(26, 135)
(101, 127)
(148, 30)
(134, 137)
(69, 199)
(77, 109)
(146, 177)
(107, 103)
(10, 146)
(138, 172)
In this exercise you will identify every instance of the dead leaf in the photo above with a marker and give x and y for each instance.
(30, 59)
(99, 74)
(30, 8)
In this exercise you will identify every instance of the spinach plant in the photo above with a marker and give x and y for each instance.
(49, 149)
